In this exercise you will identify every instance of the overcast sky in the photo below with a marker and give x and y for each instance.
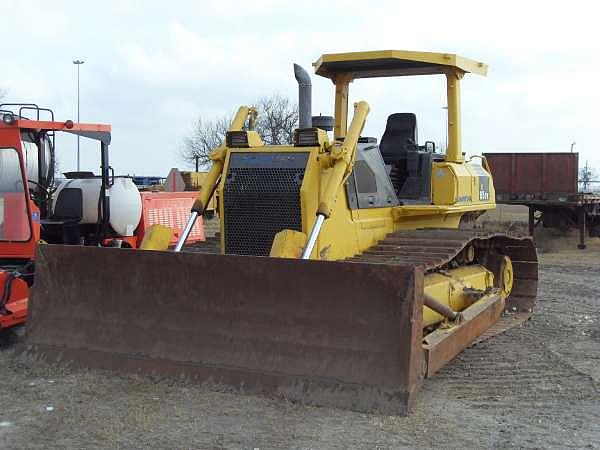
(151, 68)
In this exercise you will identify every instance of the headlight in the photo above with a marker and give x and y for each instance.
(8, 118)
(236, 139)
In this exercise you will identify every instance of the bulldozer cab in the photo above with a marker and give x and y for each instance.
(407, 164)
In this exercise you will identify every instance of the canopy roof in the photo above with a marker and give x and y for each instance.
(390, 63)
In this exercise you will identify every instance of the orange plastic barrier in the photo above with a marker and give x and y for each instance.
(171, 209)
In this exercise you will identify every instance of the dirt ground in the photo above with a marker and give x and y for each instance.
(536, 386)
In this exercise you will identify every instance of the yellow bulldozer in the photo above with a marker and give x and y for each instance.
(348, 271)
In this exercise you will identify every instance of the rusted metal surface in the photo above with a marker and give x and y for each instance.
(326, 333)
(529, 176)
(443, 344)
(581, 211)
(439, 308)
(524, 258)
(434, 251)
(430, 250)
(581, 199)
(506, 322)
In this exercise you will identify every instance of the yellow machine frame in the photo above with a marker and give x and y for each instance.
(339, 232)
(455, 183)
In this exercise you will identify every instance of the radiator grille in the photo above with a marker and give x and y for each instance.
(261, 197)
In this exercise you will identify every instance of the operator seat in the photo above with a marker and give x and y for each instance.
(399, 136)
(409, 166)
(63, 226)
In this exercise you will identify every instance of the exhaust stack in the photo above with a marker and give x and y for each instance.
(304, 97)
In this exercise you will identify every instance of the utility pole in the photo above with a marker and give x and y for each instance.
(78, 63)
(572, 145)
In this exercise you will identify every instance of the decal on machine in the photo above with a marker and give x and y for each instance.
(484, 182)
(484, 188)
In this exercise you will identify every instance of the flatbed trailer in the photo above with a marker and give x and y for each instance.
(547, 183)
(581, 211)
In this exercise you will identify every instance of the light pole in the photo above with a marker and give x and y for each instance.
(572, 145)
(78, 63)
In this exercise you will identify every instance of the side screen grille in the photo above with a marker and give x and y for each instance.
(261, 197)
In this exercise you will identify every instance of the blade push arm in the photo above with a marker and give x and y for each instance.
(342, 159)
(343, 156)
(212, 178)
(218, 160)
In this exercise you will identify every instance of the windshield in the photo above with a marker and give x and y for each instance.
(36, 174)
(14, 218)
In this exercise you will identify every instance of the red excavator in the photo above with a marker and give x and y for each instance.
(83, 209)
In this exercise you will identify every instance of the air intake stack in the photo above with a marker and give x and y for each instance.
(304, 97)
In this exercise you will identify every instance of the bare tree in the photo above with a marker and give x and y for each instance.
(587, 176)
(206, 135)
(277, 119)
(2, 93)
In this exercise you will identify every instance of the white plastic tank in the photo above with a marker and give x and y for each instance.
(125, 202)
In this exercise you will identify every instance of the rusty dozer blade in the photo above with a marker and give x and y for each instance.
(325, 333)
